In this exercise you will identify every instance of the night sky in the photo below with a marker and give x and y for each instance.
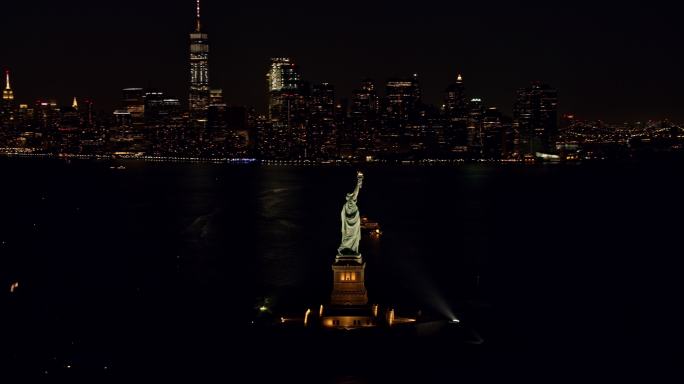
(611, 61)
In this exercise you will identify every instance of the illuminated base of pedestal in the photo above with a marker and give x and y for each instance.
(349, 298)
(357, 317)
(347, 322)
(349, 281)
(348, 317)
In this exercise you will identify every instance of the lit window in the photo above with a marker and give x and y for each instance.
(348, 276)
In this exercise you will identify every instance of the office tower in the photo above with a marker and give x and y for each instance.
(90, 138)
(240, 132)
(199, 71)
(265, 137)
(455, 103)
(475, 125)
(216, 116)
(286, 109)
(422, 132)
(239, 120)
(46, 120)
(85, 108)
(46, 116)
(456, 113)
(154, 108)
(346, 138)
(164, 123)
(492, 134)
(160, 110)
(402, 99)
(215, 137)
(7, 118)
(69, 129)
(7, 93)
(216, 97)
(535, 116)
(322, 140)
(364, 117)
(134, 103)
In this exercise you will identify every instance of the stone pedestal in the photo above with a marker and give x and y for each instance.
(349, 288)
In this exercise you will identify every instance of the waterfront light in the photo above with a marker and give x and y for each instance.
(306, 317)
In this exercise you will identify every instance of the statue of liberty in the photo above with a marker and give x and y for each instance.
(351, 222)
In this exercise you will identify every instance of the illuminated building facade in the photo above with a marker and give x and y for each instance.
(456, 111)
(216, 116)
(493, 134)
(455, 103)
(535, 116)
(215, 138)
(286, 110)
(402, 99)
(475, 120)
(7, 108)
(134, 103)
(70, 132)
(160, 110)
(46, 116)
(164, 123)
(7, 93)
(199, 96)
(349, 276)
(364, 117)
(321, 140)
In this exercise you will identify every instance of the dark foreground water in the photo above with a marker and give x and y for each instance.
(154, 272)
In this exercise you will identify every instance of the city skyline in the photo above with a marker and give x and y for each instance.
(597, 94)
(305, 119)
(340, 192)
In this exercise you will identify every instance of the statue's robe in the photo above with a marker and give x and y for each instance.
(351, 228)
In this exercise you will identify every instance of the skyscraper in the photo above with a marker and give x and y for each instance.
(403, 97)
(286, 108)
(321, 139)
(456, 112)
(475, 120)
(402, 101)
(199, 71)
(455, 103)
(134, 103)
(284, 82)
(535, 116)
(364, 117)
(7, 106)
(7, 93)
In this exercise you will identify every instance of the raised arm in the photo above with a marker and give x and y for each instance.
(359, 184)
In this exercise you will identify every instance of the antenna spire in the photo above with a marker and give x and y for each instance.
(199, 16)
(7, 93)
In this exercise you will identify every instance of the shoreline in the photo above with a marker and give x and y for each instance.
(338, 162)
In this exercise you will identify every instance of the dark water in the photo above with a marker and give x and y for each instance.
(567, 272)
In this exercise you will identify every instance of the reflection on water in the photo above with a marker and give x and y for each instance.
(150, 268)
(348, 380)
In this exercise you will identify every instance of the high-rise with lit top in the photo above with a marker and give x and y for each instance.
(286, 109)
(7, 93)
(199, 70)
(7, 112)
